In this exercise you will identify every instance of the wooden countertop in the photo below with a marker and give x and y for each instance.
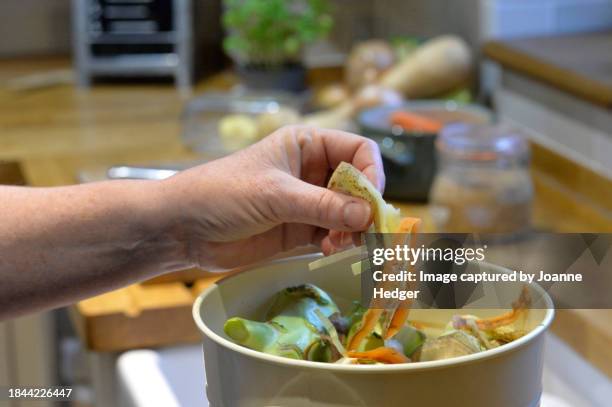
(578, 64)
(56, 131)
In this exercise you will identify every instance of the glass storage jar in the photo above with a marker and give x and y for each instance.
(483, 183)
(263, 112)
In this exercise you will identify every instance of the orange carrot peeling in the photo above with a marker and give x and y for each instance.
(372, 316)
(410, 121)
(368, 323)
(382, 354)
(411, 226)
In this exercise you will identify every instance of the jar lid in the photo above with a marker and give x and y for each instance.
(482, 142)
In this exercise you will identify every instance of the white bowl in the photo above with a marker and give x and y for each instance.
(510, 375)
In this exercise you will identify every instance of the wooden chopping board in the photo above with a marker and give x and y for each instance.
(151, 314)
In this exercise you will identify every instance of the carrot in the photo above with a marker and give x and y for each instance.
(520, 306)
(368, 323)
(411, 226)
(382, 354)
(397, 321)
(372, 315)
(410, 121)
(500, 320)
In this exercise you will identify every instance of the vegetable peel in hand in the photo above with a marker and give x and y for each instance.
(387, 219)
(349, 180)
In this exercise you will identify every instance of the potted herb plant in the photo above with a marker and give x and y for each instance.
(266, 38)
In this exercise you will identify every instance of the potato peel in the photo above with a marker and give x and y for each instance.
(349, 180)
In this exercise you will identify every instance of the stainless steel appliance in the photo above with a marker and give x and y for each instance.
(133, 38)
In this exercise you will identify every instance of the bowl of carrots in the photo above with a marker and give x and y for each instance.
(406, 137)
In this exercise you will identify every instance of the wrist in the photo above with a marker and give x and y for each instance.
(165, 226)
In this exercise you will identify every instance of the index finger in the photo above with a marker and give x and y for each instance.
(363, 153)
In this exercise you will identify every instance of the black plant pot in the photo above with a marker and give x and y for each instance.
(287, 77)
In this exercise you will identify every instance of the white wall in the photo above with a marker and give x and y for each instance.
(480, 20)
(521, 18)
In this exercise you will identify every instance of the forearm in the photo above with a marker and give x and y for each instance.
(58, 245)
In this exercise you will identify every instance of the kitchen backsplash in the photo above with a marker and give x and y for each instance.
(40, 26)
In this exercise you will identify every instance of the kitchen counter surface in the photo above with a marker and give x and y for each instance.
(56, 131)
(583, 72)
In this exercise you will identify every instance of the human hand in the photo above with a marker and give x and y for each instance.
(271, 197)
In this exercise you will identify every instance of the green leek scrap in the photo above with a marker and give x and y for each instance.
(294, 328)
(409, 339)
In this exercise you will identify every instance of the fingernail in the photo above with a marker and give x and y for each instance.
(356, 215)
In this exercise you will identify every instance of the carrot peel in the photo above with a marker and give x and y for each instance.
(410, 121)
(382, 355)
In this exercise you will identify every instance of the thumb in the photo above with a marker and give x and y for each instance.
(314, 205)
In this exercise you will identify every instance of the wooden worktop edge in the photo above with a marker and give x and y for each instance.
(560, 78)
